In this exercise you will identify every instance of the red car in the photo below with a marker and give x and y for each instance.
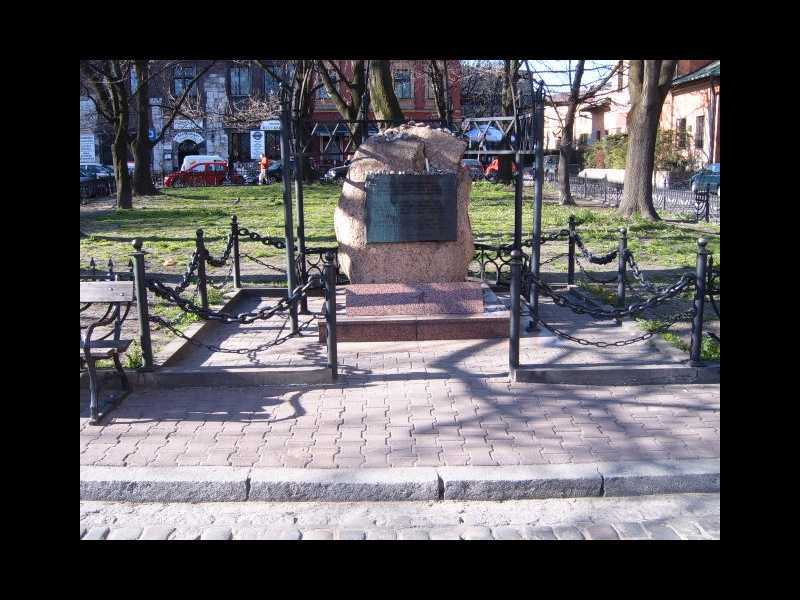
(202, 174)
(494, 167)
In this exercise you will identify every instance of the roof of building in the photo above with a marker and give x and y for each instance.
(710, 70)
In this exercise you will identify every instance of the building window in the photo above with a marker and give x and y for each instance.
(184, 74)
(240, 147)
(598, 134)
(134, 81)
(699, 130)
(271, 85)
(681, 137)
(583, 139)
(402, 84)
(240, 81)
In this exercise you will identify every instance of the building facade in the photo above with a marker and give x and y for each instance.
(226, 84)
(690, 111)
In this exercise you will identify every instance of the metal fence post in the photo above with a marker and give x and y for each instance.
(699, 304)
(140, 288)
(329, 273)
(201, 268)
(708, 199)
(110, 270)
(605, 190)
(571, 263)
(622, 253)
(237, 275)
(93, 268)
(516, 285)
(288, 219)
(585, 186)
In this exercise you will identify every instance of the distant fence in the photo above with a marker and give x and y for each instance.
(703, 204)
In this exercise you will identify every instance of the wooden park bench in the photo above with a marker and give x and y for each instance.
(115, 293)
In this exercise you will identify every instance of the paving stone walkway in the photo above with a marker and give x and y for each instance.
(668, 517)
(405, 415)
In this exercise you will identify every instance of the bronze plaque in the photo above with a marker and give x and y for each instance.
(411, 208)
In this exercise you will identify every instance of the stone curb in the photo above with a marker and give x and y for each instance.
(634, 374)
(224, 484)
(164, 484)
(344, 485)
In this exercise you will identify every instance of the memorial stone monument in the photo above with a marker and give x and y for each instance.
(405, 242)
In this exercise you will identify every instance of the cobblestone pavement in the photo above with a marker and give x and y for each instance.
(666, 517)
(408, 416)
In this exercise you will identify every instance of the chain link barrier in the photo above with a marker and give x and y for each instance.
(279, 243)
(167, 293)
(603, 259)
(591, 277)
(263, 264)
(223, 259)
(618, 313)
(685, 315)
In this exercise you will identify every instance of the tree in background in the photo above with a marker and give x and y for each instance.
(150, 74)
(383, 100)
(105, 83)
(348, 101)
(649, 82)
(481, 87)
(442, 83)
(298, 80)
(510, 80)
(579, 93)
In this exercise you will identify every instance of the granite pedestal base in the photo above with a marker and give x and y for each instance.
(405, 312)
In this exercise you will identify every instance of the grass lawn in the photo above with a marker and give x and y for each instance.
(168, 222)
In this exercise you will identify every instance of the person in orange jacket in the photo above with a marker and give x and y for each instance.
(262, 176)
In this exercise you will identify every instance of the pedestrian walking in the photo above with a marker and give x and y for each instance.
(262, 177)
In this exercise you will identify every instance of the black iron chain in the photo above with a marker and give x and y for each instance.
(553, 258)
(263, 264)
(688, 314)
(603, 259)
(279, 243)
(220, 262)
(225, 282)
(632, 310)
(250, 352)
(591, 277)
(166, 293)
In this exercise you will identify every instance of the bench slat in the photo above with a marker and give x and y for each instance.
(107, 291)
(105, 348)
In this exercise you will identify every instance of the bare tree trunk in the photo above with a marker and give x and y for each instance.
(141, 147)
(638, 191)
(566, 136)
(382, 97)
(119, 154)
(649, 82)
(510, 78)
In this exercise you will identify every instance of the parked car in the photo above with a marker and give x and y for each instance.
(707, 177)
(493, 169)
(98, 170)
(475, 168)
(275, 171)
(201, 173)
(336, 174)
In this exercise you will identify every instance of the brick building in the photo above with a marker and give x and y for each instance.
(229, 82)
(691, 111)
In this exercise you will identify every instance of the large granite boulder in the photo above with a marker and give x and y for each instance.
(403, 149)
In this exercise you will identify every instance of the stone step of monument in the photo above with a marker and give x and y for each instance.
(389, 317)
